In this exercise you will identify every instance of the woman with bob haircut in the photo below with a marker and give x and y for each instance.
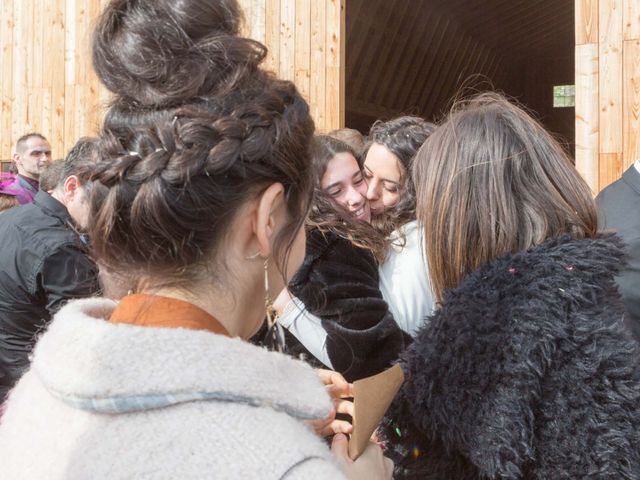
(201, 189)
(526, 370)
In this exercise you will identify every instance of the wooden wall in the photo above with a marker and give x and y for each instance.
(607, 88)
(47, 83)
(46, 80)
(306, 45)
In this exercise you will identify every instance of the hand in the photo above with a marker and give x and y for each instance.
(339, 389)
(371, 465)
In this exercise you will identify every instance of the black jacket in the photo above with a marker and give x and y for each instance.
(43, 264)
(619, 209)
(339, 283)
(527, 371)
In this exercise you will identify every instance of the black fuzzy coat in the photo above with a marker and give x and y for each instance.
(339, 283)
(526, 371)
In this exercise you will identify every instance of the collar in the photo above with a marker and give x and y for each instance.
(637, 165)
(155, 311)
(29, 183)
(52, 207)
(93, 364)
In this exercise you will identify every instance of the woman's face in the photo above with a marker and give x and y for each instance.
(344, 182)
(383, 172)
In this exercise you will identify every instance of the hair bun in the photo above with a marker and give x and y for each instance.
(159, 53)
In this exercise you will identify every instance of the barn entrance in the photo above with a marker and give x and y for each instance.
(414, 56)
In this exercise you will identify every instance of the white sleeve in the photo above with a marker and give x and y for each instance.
(405, 283)
(307, 328)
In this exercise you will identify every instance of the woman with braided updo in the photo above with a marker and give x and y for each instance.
(202, 186)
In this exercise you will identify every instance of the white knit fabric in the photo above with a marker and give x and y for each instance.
(57, 425)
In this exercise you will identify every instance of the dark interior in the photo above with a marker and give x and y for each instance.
(415, 56)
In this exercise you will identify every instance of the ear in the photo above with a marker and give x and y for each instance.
(16, 158)
(71, 184)
(266, 217)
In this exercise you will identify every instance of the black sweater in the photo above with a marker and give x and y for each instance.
(527, 371)
(338, 282)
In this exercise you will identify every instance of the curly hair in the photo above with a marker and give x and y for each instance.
(402, 136)
(196, 129)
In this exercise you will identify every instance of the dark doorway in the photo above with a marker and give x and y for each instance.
(414, 56)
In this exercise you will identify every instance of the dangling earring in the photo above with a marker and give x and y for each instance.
(275, 336)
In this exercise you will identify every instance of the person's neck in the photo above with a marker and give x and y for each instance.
(233, 310)
(29, 177)
(58, 195)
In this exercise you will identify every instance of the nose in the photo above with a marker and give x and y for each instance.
(373, 190)
(354, 197)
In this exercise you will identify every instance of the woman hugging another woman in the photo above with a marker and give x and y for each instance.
(201, 188)
(360, 291)
(526, 371)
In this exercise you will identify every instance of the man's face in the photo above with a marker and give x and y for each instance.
(35, 155)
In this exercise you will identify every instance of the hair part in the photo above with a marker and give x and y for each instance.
(490, 181)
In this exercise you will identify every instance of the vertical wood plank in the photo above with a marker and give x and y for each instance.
(631, 112)
(302, 47)
(247, 13)
(19, 67)
(587, 114)
(610, 78)
(258, 25)
(335, 65)
(586, 25)
(611, 168)
(272, 35)
(631, 19)
(317, 69)
(287, 39)
(6, 78)
(57, 57)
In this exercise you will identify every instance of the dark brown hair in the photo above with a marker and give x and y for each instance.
(196, 130)
(328, 216)
(490, 180)
(402, 136)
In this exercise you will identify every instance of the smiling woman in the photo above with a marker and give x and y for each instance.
(387, 168)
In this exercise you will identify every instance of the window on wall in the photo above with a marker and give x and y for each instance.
(6, 166)
(564, 96)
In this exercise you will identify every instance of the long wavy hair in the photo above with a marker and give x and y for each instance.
(328, 216)
(490, 181)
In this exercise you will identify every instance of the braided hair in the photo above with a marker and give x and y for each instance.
(195, 130)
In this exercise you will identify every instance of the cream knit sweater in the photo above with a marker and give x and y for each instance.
(105, 401)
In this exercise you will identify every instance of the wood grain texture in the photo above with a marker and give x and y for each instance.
(631, 19)
(610, 75)
(587, 114)
(631, 113)
(586, 21)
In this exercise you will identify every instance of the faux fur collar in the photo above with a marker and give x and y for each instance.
(94, 365)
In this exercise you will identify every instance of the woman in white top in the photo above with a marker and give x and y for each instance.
(402, 278)
(200, 189)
